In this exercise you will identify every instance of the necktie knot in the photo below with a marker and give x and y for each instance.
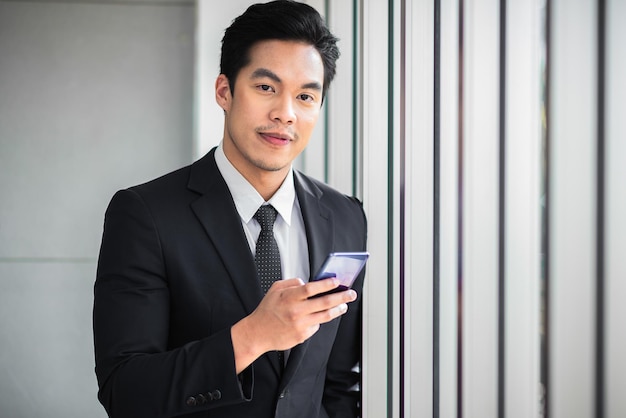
(266, 216)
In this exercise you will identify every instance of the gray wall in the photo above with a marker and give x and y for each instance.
(94, 96)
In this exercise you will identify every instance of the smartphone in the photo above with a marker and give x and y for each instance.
(344, 266)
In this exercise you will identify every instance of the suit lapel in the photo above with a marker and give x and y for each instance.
(318, 223)
(216, 212)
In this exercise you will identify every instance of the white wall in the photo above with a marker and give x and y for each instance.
(94, 96)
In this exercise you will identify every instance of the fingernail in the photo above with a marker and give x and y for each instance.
(343, 308)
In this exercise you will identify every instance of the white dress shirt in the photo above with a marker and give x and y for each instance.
(289, 226)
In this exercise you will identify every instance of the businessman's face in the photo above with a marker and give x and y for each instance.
(274, 107)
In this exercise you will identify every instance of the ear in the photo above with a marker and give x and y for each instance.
(223, 96)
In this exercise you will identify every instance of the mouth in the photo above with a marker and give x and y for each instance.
(276, 138)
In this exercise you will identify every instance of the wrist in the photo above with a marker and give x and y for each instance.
(245, 344)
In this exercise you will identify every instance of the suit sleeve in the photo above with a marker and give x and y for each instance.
(138, 374)
(342, 388)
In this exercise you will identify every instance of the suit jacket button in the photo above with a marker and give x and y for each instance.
(216, 394)
(202, 399)
(191, 401)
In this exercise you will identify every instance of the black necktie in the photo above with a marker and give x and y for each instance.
(267, 256)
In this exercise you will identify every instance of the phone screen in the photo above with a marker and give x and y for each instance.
(344, 266)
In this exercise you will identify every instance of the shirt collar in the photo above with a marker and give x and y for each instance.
(247, 199)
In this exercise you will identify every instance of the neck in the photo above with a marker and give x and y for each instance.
(267, 184)
(265, 181)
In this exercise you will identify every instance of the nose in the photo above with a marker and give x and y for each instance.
(283, 111)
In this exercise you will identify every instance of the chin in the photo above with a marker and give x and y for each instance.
(270, 165)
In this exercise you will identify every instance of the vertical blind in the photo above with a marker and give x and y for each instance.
(493, 154)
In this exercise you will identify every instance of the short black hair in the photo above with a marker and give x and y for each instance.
(277, 20)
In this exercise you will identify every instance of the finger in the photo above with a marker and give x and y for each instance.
(287, 283)
(331, 300)
(329, 314)
(320, 286)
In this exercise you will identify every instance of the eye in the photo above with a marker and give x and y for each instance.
(265, 87)
(306, 97)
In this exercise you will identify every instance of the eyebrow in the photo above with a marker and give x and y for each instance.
(265, 73)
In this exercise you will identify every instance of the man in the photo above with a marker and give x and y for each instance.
(182, 326)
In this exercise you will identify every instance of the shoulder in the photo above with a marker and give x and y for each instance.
(173, 180)
(143, 202)
(181, 184)
(348, 209)
(323, 191)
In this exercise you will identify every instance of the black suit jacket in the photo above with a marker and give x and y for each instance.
(175, 272)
